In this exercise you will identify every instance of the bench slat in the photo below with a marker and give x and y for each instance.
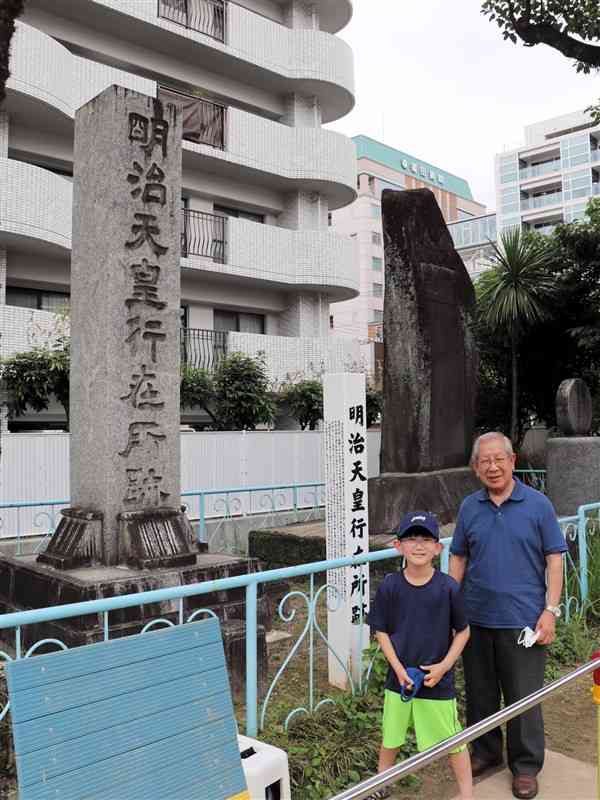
(54, 729)
(45, 669)
(146, 716)
(53, 761)
(182, 757)
(60, 695)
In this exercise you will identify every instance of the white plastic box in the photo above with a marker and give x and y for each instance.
(266, 770)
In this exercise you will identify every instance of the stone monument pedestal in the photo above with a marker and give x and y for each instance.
(28, 584)
(392, 494)
(573, 472)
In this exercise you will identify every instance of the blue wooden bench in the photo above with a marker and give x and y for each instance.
(138, 718)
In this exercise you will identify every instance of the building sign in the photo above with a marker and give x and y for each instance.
(423, 171)
(347, 519)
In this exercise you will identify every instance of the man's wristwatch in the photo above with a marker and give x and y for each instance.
(554, 610)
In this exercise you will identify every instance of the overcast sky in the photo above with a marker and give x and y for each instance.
(436, 79)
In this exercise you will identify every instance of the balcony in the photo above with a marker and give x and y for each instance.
(537, 170)
(35, 208)
(239, 45)
(287, 159)
(529, 203)
(204, 235)
(48, 82)
(318, 260)
(202, 349)
(205, 16)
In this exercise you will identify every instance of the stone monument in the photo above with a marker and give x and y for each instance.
(573, 458)
(430, 366)
(124, 383)
(126, 530)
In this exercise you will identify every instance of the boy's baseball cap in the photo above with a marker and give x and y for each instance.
(418, 520)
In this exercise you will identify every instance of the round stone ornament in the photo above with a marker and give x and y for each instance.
(574, 408)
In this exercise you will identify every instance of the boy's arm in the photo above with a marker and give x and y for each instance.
(388, 651)
(435, 672)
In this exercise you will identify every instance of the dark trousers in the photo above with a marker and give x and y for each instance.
(495, 663)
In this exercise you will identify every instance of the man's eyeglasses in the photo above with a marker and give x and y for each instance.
(487, 462)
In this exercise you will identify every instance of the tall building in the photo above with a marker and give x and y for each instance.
(256, 82)
(473, 240)
(382, 167)
(550, 178)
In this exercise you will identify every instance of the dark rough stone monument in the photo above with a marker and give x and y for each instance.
(127, 530)
(573, 458)
(430, 366)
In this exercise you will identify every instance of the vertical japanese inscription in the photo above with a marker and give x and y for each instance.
(144, 322)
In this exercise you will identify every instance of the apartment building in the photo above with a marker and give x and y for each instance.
(550, 178)
(382, 167)
(473, 240)
(256, 82)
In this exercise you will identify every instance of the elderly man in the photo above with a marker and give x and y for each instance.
(507, 552)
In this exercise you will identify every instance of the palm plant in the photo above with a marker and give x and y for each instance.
(515, 294)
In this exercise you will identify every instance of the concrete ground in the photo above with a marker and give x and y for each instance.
(562, 778)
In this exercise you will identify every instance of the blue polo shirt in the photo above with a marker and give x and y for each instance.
(506, 548)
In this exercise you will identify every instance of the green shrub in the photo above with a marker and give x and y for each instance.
(305, 402)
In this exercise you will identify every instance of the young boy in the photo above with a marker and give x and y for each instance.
(420, 622)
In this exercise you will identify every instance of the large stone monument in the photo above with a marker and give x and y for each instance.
(573, 458)
(430, 366)
(126, 530)
(125, 294)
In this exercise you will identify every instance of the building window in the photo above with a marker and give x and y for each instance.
(238, 322)
(377, 289)
(329, 219)
(239, 213)
(36, 298)
(372, 184)
(331, 320)
(509, 168)
(577, 184)
(377, 316)
(376, 238)
(376, 264)
(575, 151)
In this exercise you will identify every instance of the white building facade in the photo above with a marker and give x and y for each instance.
(551, 178)
(260, 265)
(473, 239)
(382, 167)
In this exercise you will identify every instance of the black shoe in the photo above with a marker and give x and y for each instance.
(480, 765)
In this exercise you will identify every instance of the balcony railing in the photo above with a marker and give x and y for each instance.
(205, 16)
(541, 201)
(540, 169)
(203, 349)
(204, 235)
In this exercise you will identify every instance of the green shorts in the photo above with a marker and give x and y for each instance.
(433, 721)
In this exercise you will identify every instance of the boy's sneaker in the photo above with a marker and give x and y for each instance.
(380, 794)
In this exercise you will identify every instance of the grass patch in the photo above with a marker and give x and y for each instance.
(335, 748)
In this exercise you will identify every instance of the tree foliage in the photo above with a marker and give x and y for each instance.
(569, 26)
(564, 345)
(9, 11)
(514, 296)
(305, 402)
(243, 397)
(374, 404)
(33, 378)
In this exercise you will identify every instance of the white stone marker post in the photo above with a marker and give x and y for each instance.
(347, 520)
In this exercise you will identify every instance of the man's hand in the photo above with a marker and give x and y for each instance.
(546, 626)
(403, 677)
(435, 673)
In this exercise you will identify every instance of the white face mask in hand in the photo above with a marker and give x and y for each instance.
(527, 637)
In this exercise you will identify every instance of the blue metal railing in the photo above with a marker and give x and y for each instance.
(577, 529)
(302, 500)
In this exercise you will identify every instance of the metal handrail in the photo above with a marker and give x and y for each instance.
(420, 760)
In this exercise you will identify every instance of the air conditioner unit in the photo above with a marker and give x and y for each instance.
(266, 770)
